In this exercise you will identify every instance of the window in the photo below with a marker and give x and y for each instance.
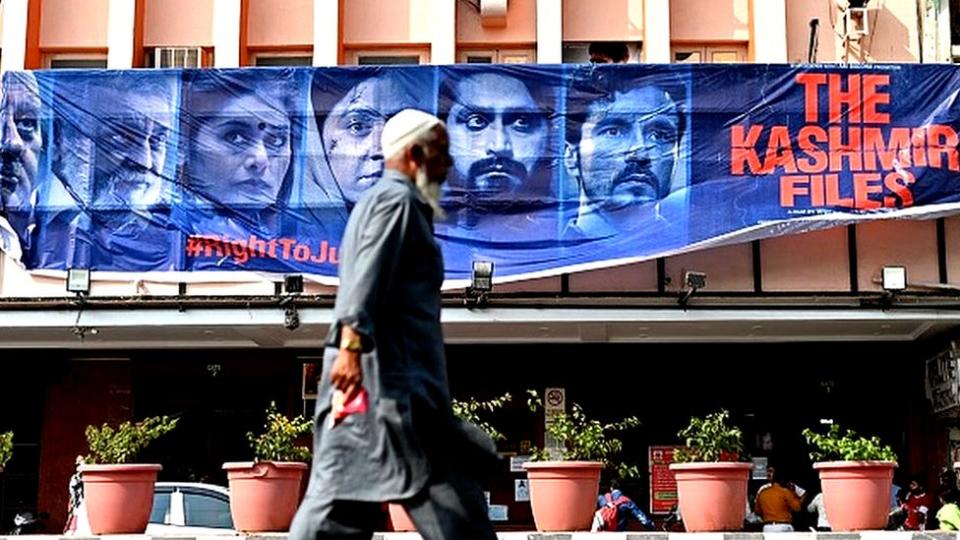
(710, 54)
(205, 510)
(282, 60)
(388, 57)
(178, 57)
(574, 52)
(75, 61)
(161, 508)
(497, 56)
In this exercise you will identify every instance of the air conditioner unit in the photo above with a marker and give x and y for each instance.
(178, 57)
(493, 13)
(857, 22)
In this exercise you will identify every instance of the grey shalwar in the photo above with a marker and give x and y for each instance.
(409, 447)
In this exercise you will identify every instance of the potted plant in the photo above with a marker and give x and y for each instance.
(711, 476)
(264, 493)
(118, 493)
(6, 448)
(856, 474)
(471, 410)
(564, 482)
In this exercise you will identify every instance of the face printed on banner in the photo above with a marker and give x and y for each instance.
(351, 134)
(497, 134)
(628, 148)
(240, 151)
(131, 142)
(20, 139)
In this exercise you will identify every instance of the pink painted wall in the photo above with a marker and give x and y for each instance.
(729, 268)
(953, 255)
(799, 14)
(786, 262)
(166, 23)
(74, 23)
(280, 22)
(710, 20)
(521, 24)
(906, 243)
(584, 20)
(641, 277)
(397, 21)
(893, 35)
(550, 284)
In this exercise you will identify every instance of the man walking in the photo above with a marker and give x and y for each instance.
(386, 341)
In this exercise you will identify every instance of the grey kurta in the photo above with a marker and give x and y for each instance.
(390, 274)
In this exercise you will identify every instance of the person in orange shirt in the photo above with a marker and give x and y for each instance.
(777, 502)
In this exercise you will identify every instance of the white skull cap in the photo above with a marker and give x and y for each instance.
(404, 128)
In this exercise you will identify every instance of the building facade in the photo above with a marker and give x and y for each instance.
(788, 331)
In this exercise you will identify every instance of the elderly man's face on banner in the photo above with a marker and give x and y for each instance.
(498, 134)
(240, 150)
(628, 148)
(131, 142)
(20, 139)
(351, 133)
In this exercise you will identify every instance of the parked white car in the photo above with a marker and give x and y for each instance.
(185, 508)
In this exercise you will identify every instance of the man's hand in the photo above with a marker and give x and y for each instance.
(347, 374)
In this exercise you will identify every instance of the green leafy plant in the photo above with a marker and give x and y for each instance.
(586, 439)
(6, 448)
(471, 410)
(121, 445)
(278, 441)
(835, 445)
(710, 439)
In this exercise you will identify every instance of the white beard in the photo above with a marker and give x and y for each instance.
(431, 192)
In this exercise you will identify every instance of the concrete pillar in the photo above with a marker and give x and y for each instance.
(769, 31)
(120, 30)
(656, 31)
(549, 32)
(226, 33)
(14, 35)
(443, 49)
(326, 32)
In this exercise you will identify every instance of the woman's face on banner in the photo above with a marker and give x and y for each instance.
(240, 152)
(351, 133)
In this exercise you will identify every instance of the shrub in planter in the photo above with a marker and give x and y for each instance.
(470, 410)
(6, 448)
(711, 476)
(564, 483)
(119, 494)
(855, 474)
(264, 493)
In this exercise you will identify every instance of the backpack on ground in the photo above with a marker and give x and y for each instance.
(609, 515)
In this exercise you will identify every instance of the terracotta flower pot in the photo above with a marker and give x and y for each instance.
(856, 494)
(712, 495)
(264, 494)
(119, 498)
(563, 494)
(399, 519)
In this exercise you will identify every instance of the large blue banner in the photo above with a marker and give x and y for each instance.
(557, 168)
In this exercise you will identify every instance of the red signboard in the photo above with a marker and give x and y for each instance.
(663, 485)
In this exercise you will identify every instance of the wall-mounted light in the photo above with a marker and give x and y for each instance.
(78, 281)
(894, 278)
(293, 284)
(694, 281)
(481, 282)
(481, 279)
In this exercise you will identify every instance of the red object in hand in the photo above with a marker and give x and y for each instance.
(341, 409)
